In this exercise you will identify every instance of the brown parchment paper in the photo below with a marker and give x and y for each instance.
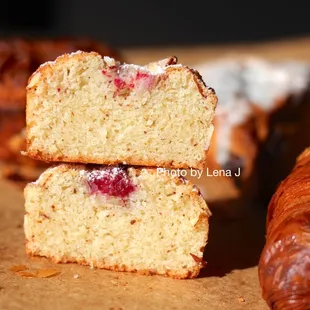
(229, 282)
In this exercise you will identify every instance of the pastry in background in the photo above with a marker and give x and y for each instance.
(20, 57)
(14, 166)
(284, 263)
(11, 124)
(261, 105)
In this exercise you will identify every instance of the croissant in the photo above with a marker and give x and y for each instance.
(284, 266)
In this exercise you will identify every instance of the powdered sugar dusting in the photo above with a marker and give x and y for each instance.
(242, 84)
(110, 61)
(266, 82)
(129, 77)
(48, 63)
(226, 119)
(260, 82)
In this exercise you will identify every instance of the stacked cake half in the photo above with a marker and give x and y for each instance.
(108, 128)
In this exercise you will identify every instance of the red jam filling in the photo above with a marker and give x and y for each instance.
(119, 83)
(124, 81)
(141, 75)
(111, 181)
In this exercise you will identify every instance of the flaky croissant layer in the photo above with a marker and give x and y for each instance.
(284, 267)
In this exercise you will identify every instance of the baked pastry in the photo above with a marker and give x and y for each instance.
(284, 263)
(260, 125)
(118, 218)
(13, 166)
(88, 109)
(11, 124)
(14, 71)
(20, 57)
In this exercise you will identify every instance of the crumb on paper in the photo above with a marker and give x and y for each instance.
(241, 299)
(92, 266)
(18, 268)
(76, 276)
(47, 273)
(26, 274)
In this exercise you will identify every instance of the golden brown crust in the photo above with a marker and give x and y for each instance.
(284, 263)
(186, 274)
(46, 50)
(205, 90)
(172, 60)
(47, 67)
(168, 65)
(171, 63)
(303, 156)
(94, 160)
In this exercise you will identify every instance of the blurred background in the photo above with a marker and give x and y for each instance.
(156, 23)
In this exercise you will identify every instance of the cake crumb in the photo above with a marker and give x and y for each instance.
(18, 268)
(47, 273)
(76, 276)
(26, 274)
(241, 299)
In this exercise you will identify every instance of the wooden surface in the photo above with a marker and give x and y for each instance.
(230, 280)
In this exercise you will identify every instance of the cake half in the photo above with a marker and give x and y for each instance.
(88, 109)
(118, 218)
